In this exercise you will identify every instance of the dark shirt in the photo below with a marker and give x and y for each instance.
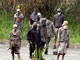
(58, 20)
(34, 36)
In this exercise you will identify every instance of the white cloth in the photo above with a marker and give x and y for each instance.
(18, 16)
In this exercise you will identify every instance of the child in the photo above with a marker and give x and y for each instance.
(63, 40)
(15, 41)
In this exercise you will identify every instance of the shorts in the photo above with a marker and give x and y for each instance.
(15, 49)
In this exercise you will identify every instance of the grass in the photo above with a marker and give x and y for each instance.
(6, 22)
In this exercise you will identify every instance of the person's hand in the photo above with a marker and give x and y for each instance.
(67, 45)
(58, 44)
(30, 42)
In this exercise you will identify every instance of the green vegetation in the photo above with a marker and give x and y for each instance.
(70, 10)
(6, 22)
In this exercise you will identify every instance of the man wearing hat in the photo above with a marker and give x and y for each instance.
(15, 41)
(58, 21)
(63, 40)
(18, 19)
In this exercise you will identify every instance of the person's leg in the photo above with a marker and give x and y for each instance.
(47, 45)
(63, 56)
(31, 50)
(58, 56)
(18, 56)
(12, 54)
(55, 38)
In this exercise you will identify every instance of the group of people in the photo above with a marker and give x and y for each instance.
(42, 29)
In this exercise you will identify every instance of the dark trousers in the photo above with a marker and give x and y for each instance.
(31, 48)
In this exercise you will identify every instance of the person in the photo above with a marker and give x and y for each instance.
(34, 39)
(39, 16)
(18, 19)
(50, 31)
(15, 41)
(46, 29)
(63, 40)
(58, 21)
(33, 17)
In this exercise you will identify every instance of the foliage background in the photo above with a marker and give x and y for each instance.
(70, 8)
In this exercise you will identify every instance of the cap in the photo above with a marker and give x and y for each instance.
(39, 14)
(59, 10)
(18, 10)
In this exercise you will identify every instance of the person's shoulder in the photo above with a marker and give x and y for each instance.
(55, 15)
(62, 15)
(21, 15)
(61, 28)
(15, 15)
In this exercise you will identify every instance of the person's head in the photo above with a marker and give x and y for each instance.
(65, 25)
(15, 26)
(34, 25)
(39, 15)
(47, 17)
(18, 11)
(35, 10)
(59, 11)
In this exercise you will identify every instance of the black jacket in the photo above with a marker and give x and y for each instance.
(34, 37)
(58, 20)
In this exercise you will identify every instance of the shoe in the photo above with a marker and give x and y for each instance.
(46, 52)
(31, 57)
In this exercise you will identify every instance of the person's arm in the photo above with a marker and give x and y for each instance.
(62, 19)
(54, 21)
(10, 41)
(68, 43)
(29, 36)
(53, 29)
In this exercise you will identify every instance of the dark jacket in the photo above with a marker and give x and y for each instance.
(58, 20)
(34, 37)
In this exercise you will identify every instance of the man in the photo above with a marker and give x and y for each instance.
(50, 31)
(63, 40)
(58, 21)
(39, 16)
(33, 17)
(47, 30)
(34, 38)
(15, 41)
(18, 19)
